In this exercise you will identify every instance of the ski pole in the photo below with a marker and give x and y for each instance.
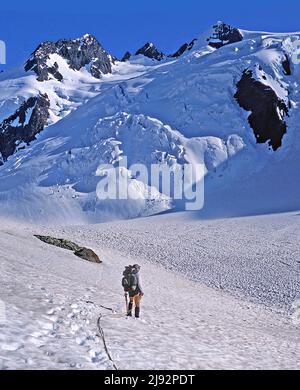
(126, 302)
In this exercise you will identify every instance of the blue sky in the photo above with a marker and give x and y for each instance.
(122, 25)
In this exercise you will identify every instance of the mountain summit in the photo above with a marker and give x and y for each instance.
(79, 53)
(149, 50)
(223, 34)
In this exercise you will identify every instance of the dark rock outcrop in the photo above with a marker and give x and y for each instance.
(185, 47)
(224, 35)
(126, 56)
(87, 254)
(83, 253)
(149, 50)
(268, 110)
(23, 126)
(85, 51)
(60, 243)
(287, 66)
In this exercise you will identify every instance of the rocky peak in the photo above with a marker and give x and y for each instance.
(81, 52)
(126, 56)
(224, 35)
(149, 50)
(185, 47)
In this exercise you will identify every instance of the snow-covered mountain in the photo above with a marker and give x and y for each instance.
(228, 99)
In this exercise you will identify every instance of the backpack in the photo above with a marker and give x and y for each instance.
(129, 279)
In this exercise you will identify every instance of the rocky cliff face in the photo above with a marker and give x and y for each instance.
(85, 51)
(268, 110)
(22, 127)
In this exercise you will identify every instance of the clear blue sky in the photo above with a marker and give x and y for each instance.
(122, 25)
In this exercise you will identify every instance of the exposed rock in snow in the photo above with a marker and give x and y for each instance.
(87, 254)
(83, 253)
(268, 110)
(59, 242)
(23, 126)
(149, 50)
(287, 66)
(185, 47)
(126, 56)
(224, 35)
(79, 53)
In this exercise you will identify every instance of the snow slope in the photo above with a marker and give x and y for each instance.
(53, 299)
(172, 112)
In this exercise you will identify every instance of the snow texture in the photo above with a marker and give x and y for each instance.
(54, 300)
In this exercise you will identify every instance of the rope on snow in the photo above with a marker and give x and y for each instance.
(102, 335)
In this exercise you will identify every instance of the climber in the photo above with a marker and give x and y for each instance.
(131, 283)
